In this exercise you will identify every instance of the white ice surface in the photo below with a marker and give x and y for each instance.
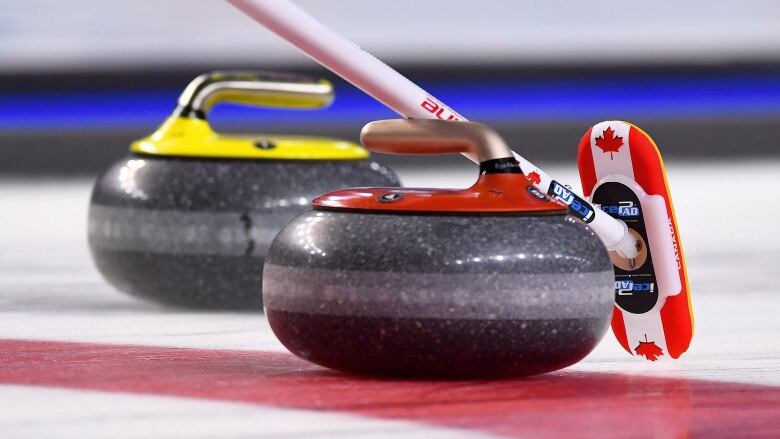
(88, 414)
(49, 290)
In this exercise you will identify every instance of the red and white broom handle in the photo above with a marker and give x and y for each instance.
(386, 85)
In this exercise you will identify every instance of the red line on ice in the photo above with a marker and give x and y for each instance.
(553, 405)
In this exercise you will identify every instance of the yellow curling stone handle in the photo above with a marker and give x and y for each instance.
(187, 133)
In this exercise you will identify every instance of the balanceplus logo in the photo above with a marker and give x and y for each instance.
(624, 209)
(438, 109)
(629, 287)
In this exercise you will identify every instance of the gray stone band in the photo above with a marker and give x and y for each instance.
(437, 295)
(183, 233)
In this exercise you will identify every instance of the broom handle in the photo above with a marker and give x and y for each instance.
(403, 96)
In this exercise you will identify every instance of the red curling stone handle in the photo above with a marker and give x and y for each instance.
(426, 136)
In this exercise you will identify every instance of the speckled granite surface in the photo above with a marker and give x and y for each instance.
(438, 295)
(194, 233)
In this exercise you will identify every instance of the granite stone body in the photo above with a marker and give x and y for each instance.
(195, 232)
(438, 295)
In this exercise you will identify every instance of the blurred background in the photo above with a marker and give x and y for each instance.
(80, 79)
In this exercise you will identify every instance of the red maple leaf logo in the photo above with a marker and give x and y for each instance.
(534, 176)
(609, 143)
(648, 349)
